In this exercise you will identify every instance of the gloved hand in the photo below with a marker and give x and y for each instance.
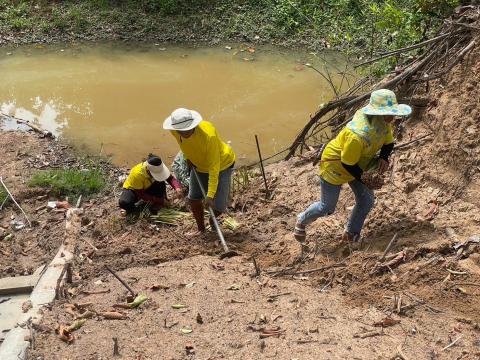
(373, 180)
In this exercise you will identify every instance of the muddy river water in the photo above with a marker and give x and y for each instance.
(112, 98)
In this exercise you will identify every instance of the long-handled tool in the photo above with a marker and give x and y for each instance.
(226, 251)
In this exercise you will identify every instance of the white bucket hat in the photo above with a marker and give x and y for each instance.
(157, 168)
(182, 120)
(384, 102)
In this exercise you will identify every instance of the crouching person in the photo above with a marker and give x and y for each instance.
(147, 182)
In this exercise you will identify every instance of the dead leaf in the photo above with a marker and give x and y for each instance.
(234, 287)
(62, 205)
(113, 315)
(157, 287)
(86, 315)
(121, 306)
(388, 321)
(65, 335)
(271, 332)
(217, 266)
(199, 318)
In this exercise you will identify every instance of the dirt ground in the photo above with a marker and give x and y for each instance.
(427, 283)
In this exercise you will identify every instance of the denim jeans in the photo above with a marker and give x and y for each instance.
(364, 198)
(223, 188)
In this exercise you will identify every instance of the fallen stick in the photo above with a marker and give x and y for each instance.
(463, 284)
(257, 268)
(402, 50)
(368, 334)
(121, 281)
(86, 292)
(452, 343)
(408, 143)
(30, 125)
(13, 199)
(115, 347)
(389, 246)
(271, 297)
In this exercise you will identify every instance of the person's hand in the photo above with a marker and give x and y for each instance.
(209, 202)
(178, 194)
(382, 165)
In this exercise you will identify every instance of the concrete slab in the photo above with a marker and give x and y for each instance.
(10, 312)
(17, 285)
(20, 284)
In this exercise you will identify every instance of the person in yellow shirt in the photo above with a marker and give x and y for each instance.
(146, 181)
(212, 158)
(349, 157)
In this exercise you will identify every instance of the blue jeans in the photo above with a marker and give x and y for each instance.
(223, 188)
(364, 202)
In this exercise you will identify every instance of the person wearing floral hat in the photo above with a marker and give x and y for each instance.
(348, 159)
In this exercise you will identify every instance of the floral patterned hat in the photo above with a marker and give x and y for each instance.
(384, 102)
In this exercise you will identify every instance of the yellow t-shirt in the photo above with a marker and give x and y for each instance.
(207, 152)
(138, 179)
(353, 148)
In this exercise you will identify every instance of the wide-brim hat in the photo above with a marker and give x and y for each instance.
(182, 120)
(159, 172)
(384, 102)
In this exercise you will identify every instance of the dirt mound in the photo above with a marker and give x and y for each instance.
(203, 308)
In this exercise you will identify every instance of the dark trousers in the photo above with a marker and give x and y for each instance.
(129, 198)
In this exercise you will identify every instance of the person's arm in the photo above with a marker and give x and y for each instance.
(172, 180)
(386, 151)
(354, 170)
(213, 154)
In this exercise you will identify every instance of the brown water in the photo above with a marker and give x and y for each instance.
(113, 98)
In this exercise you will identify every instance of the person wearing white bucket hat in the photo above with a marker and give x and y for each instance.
(146, 181)
(212, 158)
(358, 156)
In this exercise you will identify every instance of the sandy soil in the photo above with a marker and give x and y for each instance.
(430, 201)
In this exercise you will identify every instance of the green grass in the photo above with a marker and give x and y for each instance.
(69, 182)
(4, 198)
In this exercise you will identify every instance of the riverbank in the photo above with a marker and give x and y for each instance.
(360, 28)
(337, 301)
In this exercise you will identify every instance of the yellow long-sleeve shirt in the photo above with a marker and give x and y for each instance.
(351, 149)
(207, 152)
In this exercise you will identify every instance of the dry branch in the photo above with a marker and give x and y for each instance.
(440, 55)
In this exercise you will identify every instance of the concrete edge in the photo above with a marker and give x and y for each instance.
(17, 340)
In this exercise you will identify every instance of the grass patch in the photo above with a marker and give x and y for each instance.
(4, 197)
(70, 182)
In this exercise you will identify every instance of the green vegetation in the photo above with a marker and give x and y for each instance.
(70, 182)
(360, 27)
(4, 197)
